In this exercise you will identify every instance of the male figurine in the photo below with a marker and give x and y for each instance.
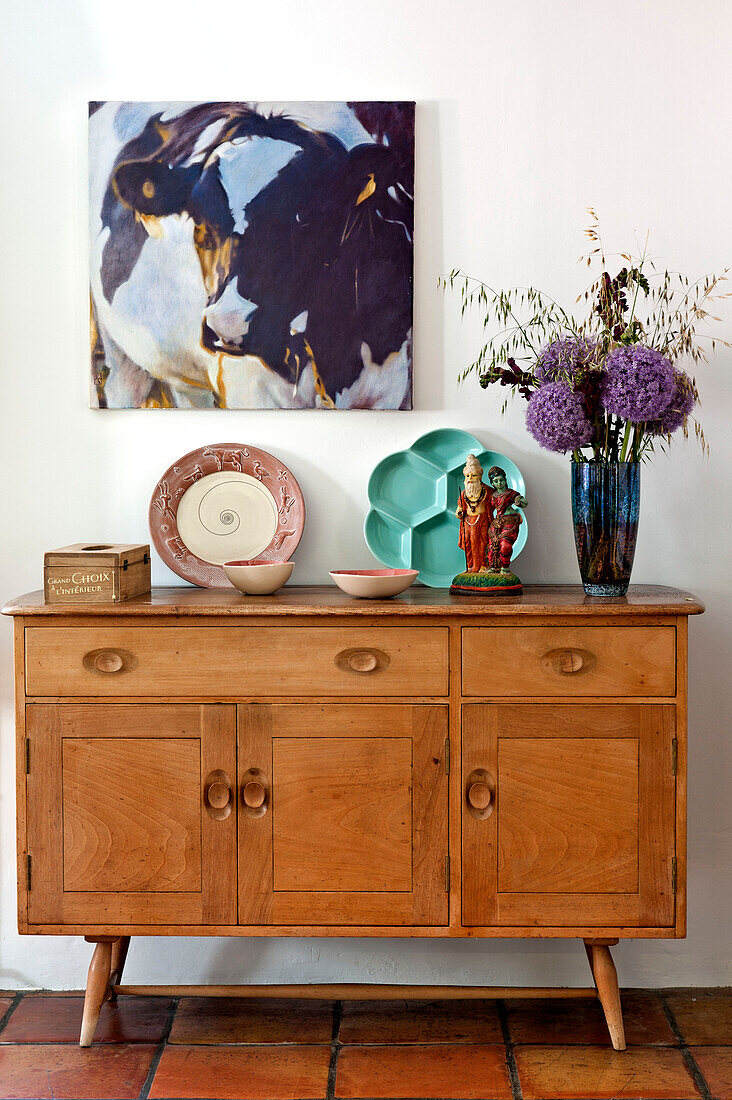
(506, 521)
(475, 514)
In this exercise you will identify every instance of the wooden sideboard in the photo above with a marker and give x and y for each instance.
(195, 762)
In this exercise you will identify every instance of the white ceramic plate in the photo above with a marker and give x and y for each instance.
(227, 516)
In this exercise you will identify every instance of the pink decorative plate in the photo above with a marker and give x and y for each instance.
(223, 502)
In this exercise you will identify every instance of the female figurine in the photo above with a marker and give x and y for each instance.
(504, 527)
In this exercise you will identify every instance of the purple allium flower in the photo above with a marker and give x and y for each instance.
(564, 358)
(681, 404)
(639, 383)
(556, 418)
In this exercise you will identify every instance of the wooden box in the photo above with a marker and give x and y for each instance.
(96, 572)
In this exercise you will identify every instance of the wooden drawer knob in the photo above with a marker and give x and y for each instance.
(218, 794)
(107, 660)
(253, 795)
(570, 660)
(363, 660)
(479, 796)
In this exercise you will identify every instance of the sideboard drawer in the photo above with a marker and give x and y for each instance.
(202, 661)
(538, 661)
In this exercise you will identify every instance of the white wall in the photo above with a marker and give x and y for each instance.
(527, 113)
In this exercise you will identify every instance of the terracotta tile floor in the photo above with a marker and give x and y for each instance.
(198, 1048)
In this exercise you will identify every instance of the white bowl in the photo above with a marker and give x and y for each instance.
(258, 578)
(373, 583)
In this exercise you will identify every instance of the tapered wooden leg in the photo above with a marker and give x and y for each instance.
(606, 981)
(97, 987)
(119, 955)
(588, 949)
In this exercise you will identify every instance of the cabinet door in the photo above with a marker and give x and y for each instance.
(579, 830)
(125, 822)
(347, 822)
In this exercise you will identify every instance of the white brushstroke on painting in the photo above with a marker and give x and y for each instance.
(229, 317)
(246, 167)
(380, 385)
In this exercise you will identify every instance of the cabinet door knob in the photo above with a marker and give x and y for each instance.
(570, 660)
(254, 795)
(479, 796)
(108, 660)
(218, 794)
(363, 660)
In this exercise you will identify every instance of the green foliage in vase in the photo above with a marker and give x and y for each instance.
(609, 386)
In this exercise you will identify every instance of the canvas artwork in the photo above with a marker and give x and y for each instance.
(251, 255)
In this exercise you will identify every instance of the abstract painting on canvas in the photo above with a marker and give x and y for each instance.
(251, 255)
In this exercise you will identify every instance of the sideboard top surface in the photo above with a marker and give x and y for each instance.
(328, 600)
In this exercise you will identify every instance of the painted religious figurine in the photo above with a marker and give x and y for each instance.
(489, 526)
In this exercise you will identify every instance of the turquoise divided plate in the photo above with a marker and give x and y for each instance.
(413, 495)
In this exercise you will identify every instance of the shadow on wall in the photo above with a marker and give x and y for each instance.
(430, 377)
(265, 960)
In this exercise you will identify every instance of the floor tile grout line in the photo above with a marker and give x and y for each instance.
(343, 1046)
(153, 1068)
(691, 1063)
(508, 1047)
(11, 1009)
(335, 1048)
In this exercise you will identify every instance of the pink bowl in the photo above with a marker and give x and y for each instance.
(373, 583)
(257, 577)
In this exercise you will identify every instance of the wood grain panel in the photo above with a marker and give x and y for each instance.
(479, 883)
(265, 661)
(148, 835)
(527, 661)
(104, 820)
(657, 826)
(568, 815)
(355, 862)
(588, 833)
(342, 814)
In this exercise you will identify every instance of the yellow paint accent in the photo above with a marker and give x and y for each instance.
(215, 261)
(368, 190)
(159, 401)
(148, 189)
(153, 224)
(220, 384)
(320, 389)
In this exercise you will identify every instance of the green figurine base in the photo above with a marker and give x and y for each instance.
(488, 584)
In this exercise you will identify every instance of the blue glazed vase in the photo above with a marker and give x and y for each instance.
(605, 508)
